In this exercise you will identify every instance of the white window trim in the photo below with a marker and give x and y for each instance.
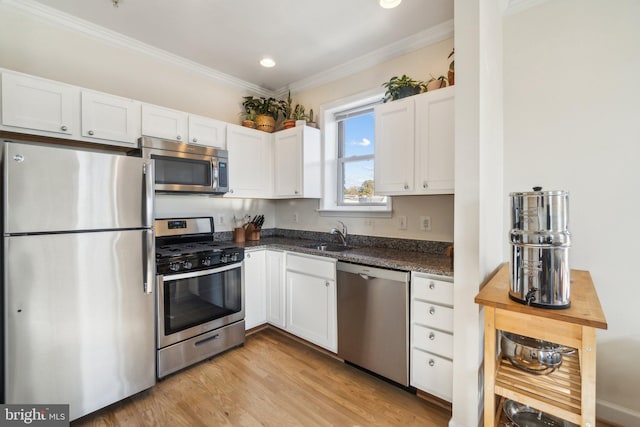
(328, 205)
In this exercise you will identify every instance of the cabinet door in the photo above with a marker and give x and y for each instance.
(164, 123)
(255, 288)
(288, 163)
(275, 288)
(110, 118)
(394, 147)
(435, 141)
(38, 104)
(251, 160)
(206, 131)
(311, 309)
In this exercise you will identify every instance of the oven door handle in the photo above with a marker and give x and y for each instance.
(148, 269)
(191, 274)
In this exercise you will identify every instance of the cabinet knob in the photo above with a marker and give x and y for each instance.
(295, 192)
(326, 283)
(231, 190)
(432, 285)
(248, 255)
(432, 362)
(425, 185)
(406, 186)
(63, 128)
(90, 132)
(432, 336)
(179, 138)
(432, 310)
(195, 140)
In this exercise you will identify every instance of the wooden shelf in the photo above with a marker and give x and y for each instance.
(568, 392)
(558, 393)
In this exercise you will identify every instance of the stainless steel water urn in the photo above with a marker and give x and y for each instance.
(540, 242)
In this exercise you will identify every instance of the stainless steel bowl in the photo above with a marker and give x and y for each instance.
(532, 355)
(525, 416)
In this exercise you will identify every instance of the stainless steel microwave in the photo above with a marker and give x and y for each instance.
(187, 168)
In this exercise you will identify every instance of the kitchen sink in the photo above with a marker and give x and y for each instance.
(327, 247)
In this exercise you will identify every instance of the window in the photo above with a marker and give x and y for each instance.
(349, 146)
(356, 142)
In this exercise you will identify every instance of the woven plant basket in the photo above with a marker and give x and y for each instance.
(265, 123)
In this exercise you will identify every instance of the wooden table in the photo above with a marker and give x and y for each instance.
(569, 392)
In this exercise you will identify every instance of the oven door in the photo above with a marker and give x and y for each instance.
(185, 172)
(193, 303)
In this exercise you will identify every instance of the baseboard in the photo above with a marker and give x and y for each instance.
(616, 414)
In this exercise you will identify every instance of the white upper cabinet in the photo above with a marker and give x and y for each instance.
(435, 141)
(414, 151)
(297, 167)
(251, 162)
(394, 147)
(39, 106)
(109, 117)
(206, 131)
(164, 123)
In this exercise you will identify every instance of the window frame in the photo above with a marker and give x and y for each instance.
(329, 203)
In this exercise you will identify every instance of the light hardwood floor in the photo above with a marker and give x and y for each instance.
(273, 380)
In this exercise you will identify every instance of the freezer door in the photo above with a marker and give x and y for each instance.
(79, 327)
(50, 189)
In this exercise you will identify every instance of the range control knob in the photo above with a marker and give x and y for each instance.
(224, 258)
(206, 261)
(187, 264)
(174, 266)
(234, 256)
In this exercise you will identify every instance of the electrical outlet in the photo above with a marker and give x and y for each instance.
(368, 223)
(220, 219)
(402, 222)
(295, 217)
(425, 223)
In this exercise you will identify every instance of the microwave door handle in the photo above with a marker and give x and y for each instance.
(215, 174)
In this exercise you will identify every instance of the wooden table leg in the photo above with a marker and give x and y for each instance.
(489, 366)
(588, 372)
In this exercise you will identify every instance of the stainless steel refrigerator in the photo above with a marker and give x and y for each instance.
(79, 269)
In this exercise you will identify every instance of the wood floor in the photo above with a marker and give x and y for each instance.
(272, 381)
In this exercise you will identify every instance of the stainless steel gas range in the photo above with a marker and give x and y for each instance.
(200, 297)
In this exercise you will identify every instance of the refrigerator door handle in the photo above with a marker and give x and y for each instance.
(148, 270)
(149, 192)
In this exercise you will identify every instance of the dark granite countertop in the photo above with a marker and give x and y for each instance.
(385, 257)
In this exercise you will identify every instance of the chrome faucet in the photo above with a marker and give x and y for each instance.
(341, 234)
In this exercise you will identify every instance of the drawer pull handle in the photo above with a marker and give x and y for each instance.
(432, 286)
(432, 362)
(63, 128)
(432, 336)
(432, 310)
(178, 137)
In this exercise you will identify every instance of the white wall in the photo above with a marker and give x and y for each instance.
(572, 122)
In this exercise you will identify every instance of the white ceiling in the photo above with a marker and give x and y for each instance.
(307, 38)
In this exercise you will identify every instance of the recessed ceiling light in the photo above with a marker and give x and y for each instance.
(389, 4)
(267, 62)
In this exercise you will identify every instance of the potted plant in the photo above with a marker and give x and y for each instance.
(288, 112)
(401, 87)
(310, 121)
(267, 111)
(436, 83)
(248, 117)
(451, 73)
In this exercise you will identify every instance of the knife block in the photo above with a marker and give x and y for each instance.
(252, 233)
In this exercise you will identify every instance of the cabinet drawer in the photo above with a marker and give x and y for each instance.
(432, 374)
(431, 340)
(313, 266)
(432, 315)
(433, 290)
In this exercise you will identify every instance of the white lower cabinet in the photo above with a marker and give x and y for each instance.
(311, 299)
(274, 275)
(432, 335)
(255, 288)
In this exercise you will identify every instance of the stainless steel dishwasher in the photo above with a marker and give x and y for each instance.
(373, 319)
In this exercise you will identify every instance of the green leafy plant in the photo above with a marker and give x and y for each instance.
(263, 106)
(400, 87)
(298, 113)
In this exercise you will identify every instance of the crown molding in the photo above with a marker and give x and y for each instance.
(409, 44)
(517, 6)
(112, 38)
